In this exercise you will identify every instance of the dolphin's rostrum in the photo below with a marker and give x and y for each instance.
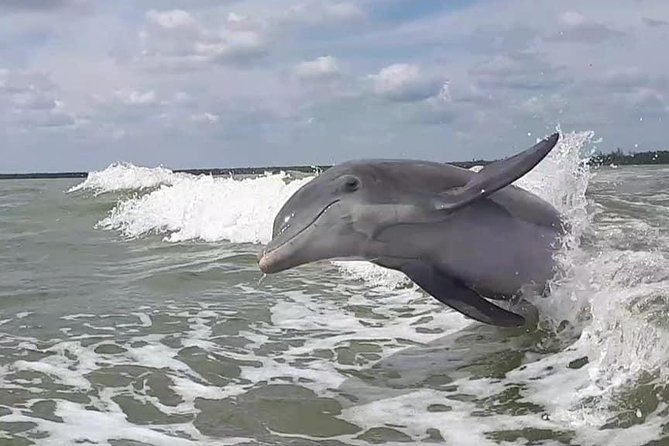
(461, 236)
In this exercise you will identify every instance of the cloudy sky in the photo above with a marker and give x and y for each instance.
(204, 83)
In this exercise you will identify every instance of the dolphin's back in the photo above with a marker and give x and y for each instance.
(495, 251)
(495, 244)
(524, 205)
(439, 178)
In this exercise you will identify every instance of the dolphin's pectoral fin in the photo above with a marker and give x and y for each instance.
(458, 296)
(496, 176)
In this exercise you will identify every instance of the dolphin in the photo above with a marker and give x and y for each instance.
(462, 236)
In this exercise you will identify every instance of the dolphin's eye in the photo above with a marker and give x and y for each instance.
(351, 183)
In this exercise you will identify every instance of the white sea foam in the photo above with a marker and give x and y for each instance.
(372, 274)
(126, 176)
(206, 208)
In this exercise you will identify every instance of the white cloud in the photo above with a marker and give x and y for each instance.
(540, 105)
(405, 82)
(181, 97)
(571, 19)
(623, 78)
(174, 19)
(133, 97)
(29, 100)
(205, 117)
(50, 119)
(344, 12)
(647, 103)
(324, 12)
(41, 5)
(177, 40)
(233, 18)
(232, 45)
(519, 71)
(577, 29)
(324, 67)
(21, 81)
(33, 100)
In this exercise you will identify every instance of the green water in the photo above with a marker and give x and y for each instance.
(106, 339)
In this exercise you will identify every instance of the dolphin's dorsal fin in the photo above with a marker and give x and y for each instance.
(458, 296)
(496, 176)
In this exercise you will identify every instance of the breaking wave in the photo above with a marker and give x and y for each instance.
(185, 207)
(126, 176)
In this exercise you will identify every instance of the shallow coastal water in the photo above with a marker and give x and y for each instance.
(132, 312)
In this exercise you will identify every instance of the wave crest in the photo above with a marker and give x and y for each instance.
(206, 208)
(127, 176)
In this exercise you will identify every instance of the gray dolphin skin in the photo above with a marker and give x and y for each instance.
(462, 236)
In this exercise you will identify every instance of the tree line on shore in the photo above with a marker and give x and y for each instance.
(621, 158)
(616, 158)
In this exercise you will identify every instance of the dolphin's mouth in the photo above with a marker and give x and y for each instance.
(274, 259)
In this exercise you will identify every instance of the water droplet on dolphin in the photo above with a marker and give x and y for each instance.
(286, 219)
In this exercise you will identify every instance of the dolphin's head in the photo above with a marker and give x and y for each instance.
(337, 214)
(316, 222)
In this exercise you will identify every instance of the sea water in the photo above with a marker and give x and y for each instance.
(132, 313)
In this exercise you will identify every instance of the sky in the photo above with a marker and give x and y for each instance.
(228, 83)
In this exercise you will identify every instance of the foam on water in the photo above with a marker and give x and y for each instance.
(373, 274)
(206, 208)
(126, 176)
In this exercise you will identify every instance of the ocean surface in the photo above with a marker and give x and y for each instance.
(132, 312)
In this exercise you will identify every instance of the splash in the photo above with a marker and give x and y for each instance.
(184, 207)
(206, 208)
(187, 207)
(126, 176)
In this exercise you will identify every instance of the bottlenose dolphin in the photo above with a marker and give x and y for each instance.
(460, 235)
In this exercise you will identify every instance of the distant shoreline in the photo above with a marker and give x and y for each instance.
(213, 171)
(617, 158)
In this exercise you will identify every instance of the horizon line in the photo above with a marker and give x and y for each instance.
(218, 171)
